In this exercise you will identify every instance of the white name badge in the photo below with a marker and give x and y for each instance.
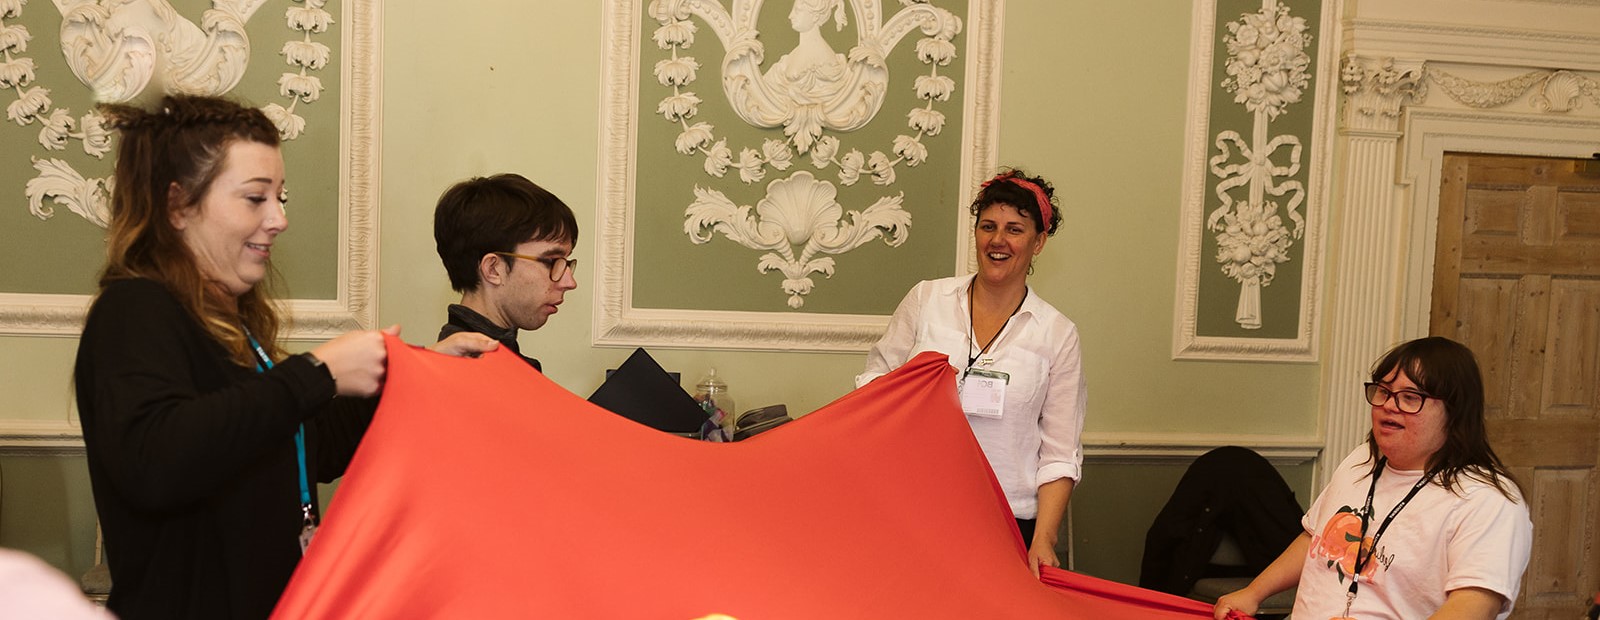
(983, 393)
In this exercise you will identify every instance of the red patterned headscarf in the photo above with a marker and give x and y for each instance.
(1045, 210)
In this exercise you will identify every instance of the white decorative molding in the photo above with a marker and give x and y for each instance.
(40, 438)
(1266, 67)
(617, 322)
(1251, 234)
(1368, 244)
(807, 92)
(798, 211)
(1487, 46)
(1545, 91)
(1375, 89)
(354, 305)
(1181, 448)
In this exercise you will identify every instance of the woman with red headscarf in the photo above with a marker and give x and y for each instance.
(1020, 372)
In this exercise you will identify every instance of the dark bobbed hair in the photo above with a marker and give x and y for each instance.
(1446, 370)
(484, 215)
(1002, 190)
(183, 142)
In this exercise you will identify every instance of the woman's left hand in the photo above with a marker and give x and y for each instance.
(1042, 554)
(465, 344)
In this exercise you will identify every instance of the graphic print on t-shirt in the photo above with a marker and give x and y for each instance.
(1339, 543)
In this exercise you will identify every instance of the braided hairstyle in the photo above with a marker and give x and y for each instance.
(166, 162)
(1015, 188)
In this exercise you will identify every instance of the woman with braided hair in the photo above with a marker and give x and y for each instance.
(1020, 371)
(204, 437)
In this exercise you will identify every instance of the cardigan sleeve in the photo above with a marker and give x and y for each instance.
(170, 417)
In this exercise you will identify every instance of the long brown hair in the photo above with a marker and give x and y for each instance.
(183, 144)
(1446, 370)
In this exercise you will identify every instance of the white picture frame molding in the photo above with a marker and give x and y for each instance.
(360, 117)
(1187, 344)
(617, 323)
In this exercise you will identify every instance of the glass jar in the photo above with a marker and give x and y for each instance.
(712, 394)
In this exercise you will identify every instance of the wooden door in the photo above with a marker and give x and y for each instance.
(1517, 279)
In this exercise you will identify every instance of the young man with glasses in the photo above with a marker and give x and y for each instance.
(506, 244)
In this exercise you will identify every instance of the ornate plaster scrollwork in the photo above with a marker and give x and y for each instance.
(810, 92)
(1267, 70)
(1554, 91)
(122, 48)
(797, 212)
(1376, 89)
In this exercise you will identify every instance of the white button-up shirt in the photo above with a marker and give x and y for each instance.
(1038, 439)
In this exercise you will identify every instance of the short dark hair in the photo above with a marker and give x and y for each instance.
(1003, 190)
(1447, 370)
(484, 215)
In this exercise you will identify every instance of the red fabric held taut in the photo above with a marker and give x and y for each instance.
(484, 490)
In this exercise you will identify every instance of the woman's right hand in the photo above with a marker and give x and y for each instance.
(1242, 601)
(357, 360)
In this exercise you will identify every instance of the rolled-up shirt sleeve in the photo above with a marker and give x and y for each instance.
(1061, 417)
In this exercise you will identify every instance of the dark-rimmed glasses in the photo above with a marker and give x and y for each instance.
(558, 266)
(1407, 401)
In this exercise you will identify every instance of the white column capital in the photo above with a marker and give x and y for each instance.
(1375, 90)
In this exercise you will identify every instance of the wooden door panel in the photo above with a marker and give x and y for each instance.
(1579, 214)
(1557, 568)
(1517, 279)
(1495, 212)
(1555, 443)
(1528, 329)
(1484, 320)
(1575, 327)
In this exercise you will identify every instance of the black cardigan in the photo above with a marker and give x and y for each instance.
(192, 458)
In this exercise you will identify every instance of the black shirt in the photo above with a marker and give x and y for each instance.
(464, 319)
(192, 458)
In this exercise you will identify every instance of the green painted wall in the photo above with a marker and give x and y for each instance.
(1091, 97)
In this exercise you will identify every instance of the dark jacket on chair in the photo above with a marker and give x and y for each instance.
(1228, 491)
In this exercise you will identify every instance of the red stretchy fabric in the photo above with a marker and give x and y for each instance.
(484, 490)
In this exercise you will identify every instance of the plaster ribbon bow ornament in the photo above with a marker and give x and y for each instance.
(808, 92)
(122, 49)
(1266, 70)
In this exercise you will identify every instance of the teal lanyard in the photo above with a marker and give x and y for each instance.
(299, 435)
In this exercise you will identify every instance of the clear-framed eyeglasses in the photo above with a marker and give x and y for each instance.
(1407, 401)
(559, 266)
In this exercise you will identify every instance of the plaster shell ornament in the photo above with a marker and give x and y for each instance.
(122, 50)
(797, 220)
(1266, 69)
(812, 92)
(1564, 92)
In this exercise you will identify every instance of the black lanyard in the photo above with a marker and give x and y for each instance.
(1366, 515)
(971, 339)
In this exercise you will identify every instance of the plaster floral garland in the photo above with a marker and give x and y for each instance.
(56, 180)
(308, 56)
(57, 125)
(1267, 62)
(57, 129)
(676, 34)
(1267, 71)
